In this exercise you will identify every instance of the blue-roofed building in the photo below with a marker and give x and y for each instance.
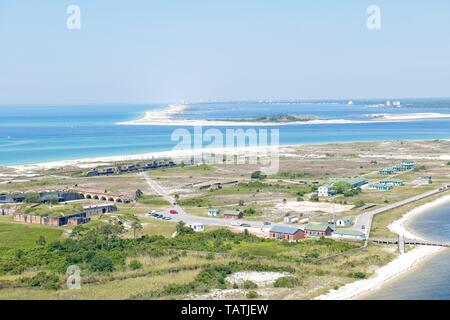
(286, 233)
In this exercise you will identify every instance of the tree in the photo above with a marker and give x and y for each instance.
(77, 232)
(139, 193)
(241, 203)
(341, 187)
(258, 175)
(182, 229)
(32, 197)
(314, 197)
(136, 226)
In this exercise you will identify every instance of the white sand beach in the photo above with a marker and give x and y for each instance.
(401, 264)
(408, 116)
(164, 117)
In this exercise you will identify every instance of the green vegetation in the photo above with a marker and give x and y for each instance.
(24, 236)
(252, 295)
(49, 210)
(420, 168)
(359, 204)
(153, 200)
(247, 284)
(286, 282)
(196, 202)
(291, 175)
(258, 175)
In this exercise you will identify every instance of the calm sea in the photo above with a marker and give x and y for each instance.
(33, 134)
(431, 278)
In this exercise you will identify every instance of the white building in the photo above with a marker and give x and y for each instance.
(347, 234)
(344, 222)
(326, 191)
(290, 219)
(213, 212)
(197, 227)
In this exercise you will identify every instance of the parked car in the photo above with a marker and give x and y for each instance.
(267, 223)
(245, 225)
(363, 227)
(173, 211)
(235, 224)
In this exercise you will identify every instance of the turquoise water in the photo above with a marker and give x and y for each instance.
(32, 134)
(431, 279)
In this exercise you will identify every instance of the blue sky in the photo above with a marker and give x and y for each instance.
(167, 50)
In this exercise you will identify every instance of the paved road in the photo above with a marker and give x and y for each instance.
(188, 218)
(366, 218)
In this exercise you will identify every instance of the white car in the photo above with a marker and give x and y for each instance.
(235, 224)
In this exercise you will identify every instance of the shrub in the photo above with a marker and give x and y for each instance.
(286, 282)
(210, 256)
(134, 265)
(247, 284)
(357, 275)
(42, 280)
(101, 264)
(252, 295)
(360, 204)
(258, 175)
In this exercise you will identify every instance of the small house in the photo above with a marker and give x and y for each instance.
(408, 164)
(197, 227)
(318, 230)
(213, 212)
(392, 182)
(380, 187)
(286, 233)
(344, 222)
(290, 219)
(388, 171)
(233, 214)
(348, 234)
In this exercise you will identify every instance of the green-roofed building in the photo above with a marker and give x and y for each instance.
(353, 182)
(348, 234)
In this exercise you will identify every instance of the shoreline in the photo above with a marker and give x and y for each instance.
(399, 266)
(174, 154)
(164, 117)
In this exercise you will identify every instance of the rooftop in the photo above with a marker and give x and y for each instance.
(317, 227)
(232, 212)
(286, 230)
(349, 232)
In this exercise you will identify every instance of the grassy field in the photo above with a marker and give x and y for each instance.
(14, 236)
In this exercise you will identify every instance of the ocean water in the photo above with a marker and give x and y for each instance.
(33, 134)
(430, 280)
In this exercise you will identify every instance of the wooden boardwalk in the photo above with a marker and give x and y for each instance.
(412, 241)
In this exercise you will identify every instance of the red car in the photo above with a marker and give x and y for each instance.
(173, 211)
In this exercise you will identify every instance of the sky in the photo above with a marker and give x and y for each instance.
(149, 51)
